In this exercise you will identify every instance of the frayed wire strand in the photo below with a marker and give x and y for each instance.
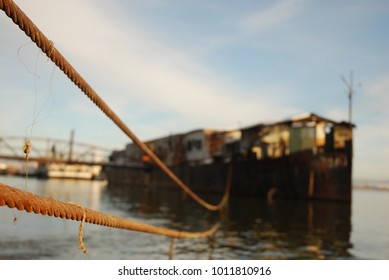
(81, 244)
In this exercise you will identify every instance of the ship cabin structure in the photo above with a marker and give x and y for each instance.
(307, 132)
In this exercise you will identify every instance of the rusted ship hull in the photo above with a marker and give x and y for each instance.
(304, 157)
(303, 175)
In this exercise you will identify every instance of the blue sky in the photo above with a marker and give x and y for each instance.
(173, 66)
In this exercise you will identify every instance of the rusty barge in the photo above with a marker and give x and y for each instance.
(307, 156)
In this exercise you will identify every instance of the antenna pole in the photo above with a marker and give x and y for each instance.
(350, 92)
(350, 97)
(71, 142)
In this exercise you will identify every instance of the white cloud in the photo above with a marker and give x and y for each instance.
(126, 66)
(276, 14)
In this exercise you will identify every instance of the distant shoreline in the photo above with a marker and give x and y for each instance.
(371, 187)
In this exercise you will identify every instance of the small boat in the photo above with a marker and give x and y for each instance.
(69, 171)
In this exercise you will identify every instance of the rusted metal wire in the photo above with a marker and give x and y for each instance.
(47, 46)
(22, 200)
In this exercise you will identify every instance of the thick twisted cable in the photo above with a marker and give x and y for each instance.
(22, 200)
(29, 28)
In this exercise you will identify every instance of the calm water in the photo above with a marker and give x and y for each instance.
(252, 228)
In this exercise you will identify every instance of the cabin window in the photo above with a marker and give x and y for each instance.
(302, 138)
(194, 145)
(329, 142)
(341, 136)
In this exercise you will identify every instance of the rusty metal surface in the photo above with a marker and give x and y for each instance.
(25, 201)
(303, 175)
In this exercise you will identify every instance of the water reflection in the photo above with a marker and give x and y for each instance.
(252, 227)
(28, 236)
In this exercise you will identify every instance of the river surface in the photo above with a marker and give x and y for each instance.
(252, 227)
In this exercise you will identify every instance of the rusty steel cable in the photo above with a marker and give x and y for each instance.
(47, 46)
(22, 200)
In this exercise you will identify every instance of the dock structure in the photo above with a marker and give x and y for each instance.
(51, 158)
